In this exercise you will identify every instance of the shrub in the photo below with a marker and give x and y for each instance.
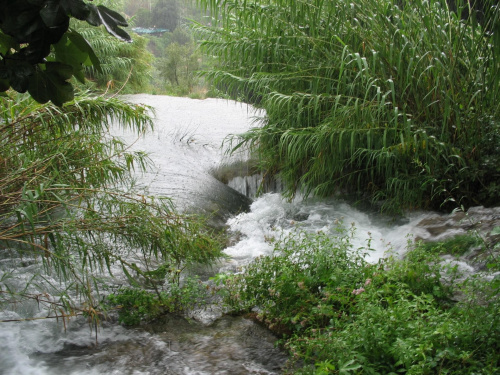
(338, 314)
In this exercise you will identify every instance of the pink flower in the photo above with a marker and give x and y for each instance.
(368, 282)
(358, 291)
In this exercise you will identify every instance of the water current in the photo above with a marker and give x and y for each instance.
(185, 148)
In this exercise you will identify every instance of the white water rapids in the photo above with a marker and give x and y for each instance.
(185, 147)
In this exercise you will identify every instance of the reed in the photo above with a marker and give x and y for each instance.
(69, 207)
(396, 101)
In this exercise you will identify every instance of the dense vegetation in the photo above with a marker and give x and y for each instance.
(38, 51)
(176, 58)
(70, 215)
(397, 101)
(337, 314)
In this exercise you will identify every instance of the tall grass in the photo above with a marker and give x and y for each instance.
(399, 102)
(68, 207)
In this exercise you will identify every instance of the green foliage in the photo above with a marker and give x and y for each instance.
(399, 102)
(305, 271)
(68, 205)
(457, 245)
(338, 314)
(160, 14)
(180, 65)
(137, 306)
(124, 67)
(31, 30)
(177, 64)
(166, 14)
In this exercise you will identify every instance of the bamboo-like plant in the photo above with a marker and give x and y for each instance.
(396, 100)
(120, 63)
(69, 212)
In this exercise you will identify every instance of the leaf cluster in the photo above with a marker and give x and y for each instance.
(39, 53)
(136, 306)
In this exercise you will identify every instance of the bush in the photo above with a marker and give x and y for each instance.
(137, 306)
(338, 314)
(68, 205)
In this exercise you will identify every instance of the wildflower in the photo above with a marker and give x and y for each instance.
(358, 291)
(368, 282)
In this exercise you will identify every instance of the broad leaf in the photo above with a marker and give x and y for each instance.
(100, 15)
(51, 84)
(18, 73)
(76, 8)
(53, 13)
(4, 85)
(7, 43)
(84, 46)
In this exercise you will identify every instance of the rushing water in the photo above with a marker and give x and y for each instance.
(185, 148)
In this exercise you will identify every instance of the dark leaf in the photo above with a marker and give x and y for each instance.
(34, 53)
(68, 53)
(112, 16)
(22, 25)
(111, 20)
(38, 3)
(7, 43)
(76, 8)
(53, 14)
(51, 85)
(4, 85)
(63, 71)
(19, 73)
(80, 42)
(93, 18)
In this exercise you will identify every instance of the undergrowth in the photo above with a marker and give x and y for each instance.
(338, 314)
(136, 306)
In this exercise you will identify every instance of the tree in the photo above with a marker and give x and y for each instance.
(123, 66)
(180, 64)
(38, 51)
(166, 14)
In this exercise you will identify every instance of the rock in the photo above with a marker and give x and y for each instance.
(481, 219)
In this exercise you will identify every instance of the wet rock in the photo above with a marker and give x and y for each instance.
(480, 219)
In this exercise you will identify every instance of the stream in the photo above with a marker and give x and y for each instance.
(185, 148)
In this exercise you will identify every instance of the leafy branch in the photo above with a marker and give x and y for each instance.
(39, 53)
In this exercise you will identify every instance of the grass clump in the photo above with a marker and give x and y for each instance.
(457, 245)
(337, 314)
(398, 101)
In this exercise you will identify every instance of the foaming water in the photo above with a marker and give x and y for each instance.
(184, 147)
(271, 215)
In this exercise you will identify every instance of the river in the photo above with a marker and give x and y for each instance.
(185, 148)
